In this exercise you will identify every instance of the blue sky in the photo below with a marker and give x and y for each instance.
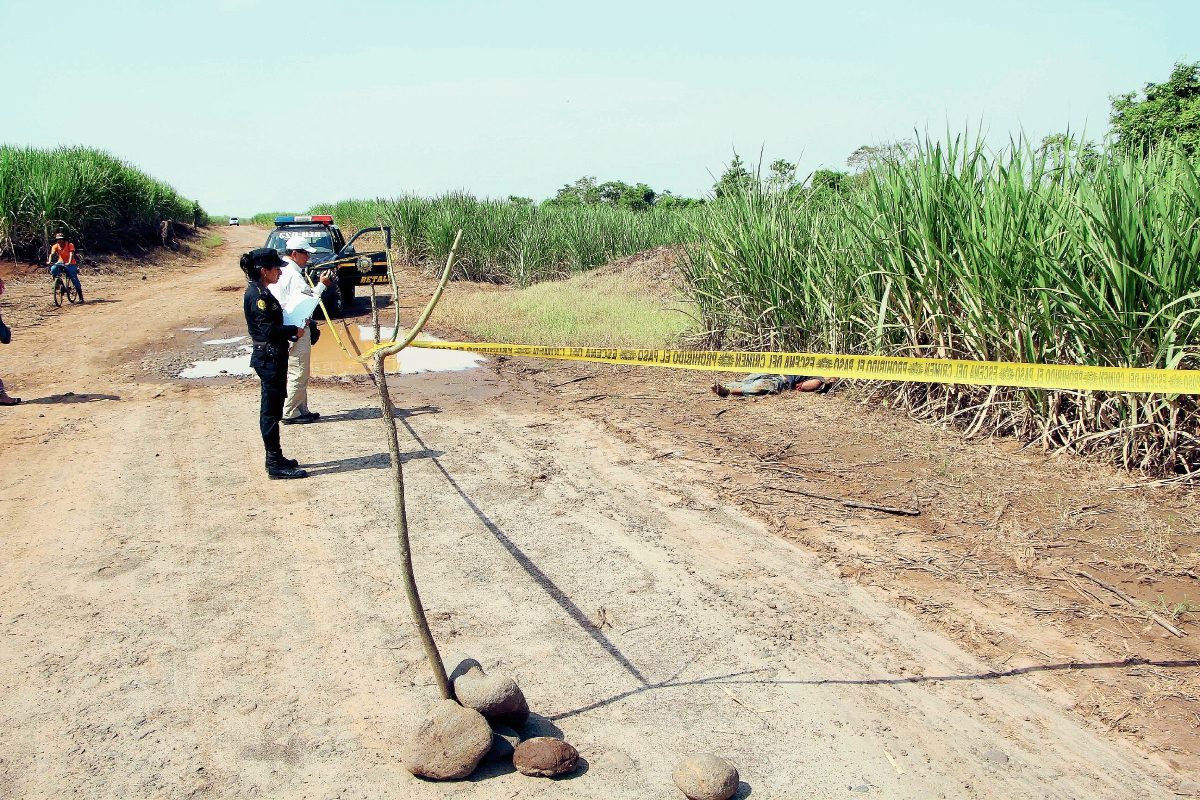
(253, 106)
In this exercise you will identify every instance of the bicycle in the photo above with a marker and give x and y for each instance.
(65, 287)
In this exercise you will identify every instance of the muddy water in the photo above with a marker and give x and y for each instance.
(329, 360)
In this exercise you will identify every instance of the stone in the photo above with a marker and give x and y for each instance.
(537, 725)
(463, 665)
(543, 757)
(705, 776)
(996, 757)
(494, 696)
(504, 742)
(449, 743)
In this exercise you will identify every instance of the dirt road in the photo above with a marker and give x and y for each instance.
(174, 624)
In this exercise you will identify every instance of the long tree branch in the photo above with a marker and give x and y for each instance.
(387, 411)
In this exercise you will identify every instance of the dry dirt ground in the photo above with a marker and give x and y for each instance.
(174, 624)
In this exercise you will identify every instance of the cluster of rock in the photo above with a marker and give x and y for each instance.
(456, 736)
(482, 725)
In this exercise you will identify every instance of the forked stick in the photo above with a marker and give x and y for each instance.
(387, 253)
(374, 315)
(387, 410)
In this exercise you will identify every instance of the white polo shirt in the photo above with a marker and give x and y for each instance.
(291, 285)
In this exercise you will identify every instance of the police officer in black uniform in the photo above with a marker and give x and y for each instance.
(264, 320)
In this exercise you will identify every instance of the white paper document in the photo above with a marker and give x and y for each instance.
(301, 311)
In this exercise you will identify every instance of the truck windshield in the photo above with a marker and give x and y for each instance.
(318, 238)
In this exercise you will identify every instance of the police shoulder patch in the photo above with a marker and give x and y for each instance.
(262, 304)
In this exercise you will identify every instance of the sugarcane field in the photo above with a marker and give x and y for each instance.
(851, 450)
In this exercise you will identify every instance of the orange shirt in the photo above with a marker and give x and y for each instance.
(64, 251)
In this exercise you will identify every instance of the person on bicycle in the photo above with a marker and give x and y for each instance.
(62, 258)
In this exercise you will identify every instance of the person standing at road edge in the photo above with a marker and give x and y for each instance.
(264, 322)
(288, 291)
(5, 338)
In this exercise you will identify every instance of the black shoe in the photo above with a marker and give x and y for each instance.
(286, 473)
(282, 473)
(279, 460)
(301, 419)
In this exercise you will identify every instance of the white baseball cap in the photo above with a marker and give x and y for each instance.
(298, 243)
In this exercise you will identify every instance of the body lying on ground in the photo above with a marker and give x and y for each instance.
(763, 383)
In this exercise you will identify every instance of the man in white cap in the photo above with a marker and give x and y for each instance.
(288, 290)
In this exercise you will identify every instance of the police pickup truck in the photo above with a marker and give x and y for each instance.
(334, 252)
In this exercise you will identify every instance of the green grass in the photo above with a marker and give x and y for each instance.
(211, 240)
(586, 310)
(101, 202)
(956, 253)
(507, 242)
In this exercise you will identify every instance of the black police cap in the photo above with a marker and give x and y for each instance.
(265, 258)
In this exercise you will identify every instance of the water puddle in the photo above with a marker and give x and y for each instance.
(219, 368)
(328, 360)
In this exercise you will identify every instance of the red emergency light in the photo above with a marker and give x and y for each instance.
(323, 219)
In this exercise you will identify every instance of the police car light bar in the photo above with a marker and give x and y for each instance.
(324, 219)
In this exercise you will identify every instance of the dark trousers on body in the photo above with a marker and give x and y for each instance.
(270, 410)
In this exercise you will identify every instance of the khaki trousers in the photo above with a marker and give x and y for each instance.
(299, 357)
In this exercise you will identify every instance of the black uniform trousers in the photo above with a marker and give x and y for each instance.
(273, 375)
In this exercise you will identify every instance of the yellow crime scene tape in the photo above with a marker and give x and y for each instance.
(830, 365)
(920, 370)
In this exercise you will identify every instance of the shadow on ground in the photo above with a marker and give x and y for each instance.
(730, 679)
(539, 577)
(356, 414)
(71, 397)
(376, 461)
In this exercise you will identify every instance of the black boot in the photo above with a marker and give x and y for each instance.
(278, 459)
(280, 468)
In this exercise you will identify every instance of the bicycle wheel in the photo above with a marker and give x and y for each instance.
(73, 295)
(59, 292)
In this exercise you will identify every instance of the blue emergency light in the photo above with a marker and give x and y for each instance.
(324, 219)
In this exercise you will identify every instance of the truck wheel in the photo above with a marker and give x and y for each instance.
(346, 295)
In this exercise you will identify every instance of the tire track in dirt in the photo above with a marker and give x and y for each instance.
(188, 627)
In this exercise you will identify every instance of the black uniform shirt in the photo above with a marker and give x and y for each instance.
(264, 321)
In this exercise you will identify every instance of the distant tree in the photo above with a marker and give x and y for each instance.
(870, 156)
(1168, 111)
(637, 198)
(623, 195)
(1061, 147)
(782, 176)
(829, 181)
(620, 194)
(668, 201)
(581, 192)
(610, 191)
(519, 201)
(735, 178)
